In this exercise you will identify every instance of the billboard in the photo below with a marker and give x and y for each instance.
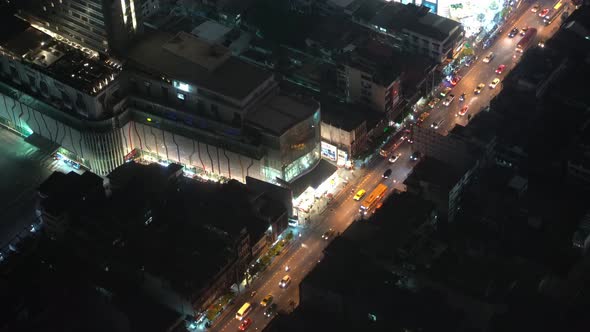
(329, 151)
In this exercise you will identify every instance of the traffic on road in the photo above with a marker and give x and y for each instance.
(463, 96)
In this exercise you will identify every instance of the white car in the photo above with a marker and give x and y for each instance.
(494, 83)
(449, 99)
(394, 158)
(489, 57)
(436, 125)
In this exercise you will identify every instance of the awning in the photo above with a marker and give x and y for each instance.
(313, 178)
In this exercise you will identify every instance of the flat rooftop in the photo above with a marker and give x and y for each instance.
(376, 59)
(435, 171)
(211, 31)
(189, 59)
(68, 64)
(342, 115)
(281, 113)
(397, 16)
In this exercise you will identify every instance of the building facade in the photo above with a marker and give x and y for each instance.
(102, 115)
(100, 25)
(370, 77)
(413, 28)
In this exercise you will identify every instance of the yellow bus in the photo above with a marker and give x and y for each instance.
(373, 199)
(244, 311)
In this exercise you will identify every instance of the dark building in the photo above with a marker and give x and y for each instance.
(101, 25)
(180, 241)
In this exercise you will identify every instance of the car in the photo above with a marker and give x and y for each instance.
(544, 12)
(435, 125)
(266, 300)
(387, 173)
(523, 31)
(494, 83)
(463, 111)
(478, 89)
(328, 234)
(513, 33)
(462, 97)
(415, 156)
(455, 80)
(433, 102)
(394, 158)
(422, 117)
(500, 69)
(541, 43)
(535, 8)
(449, 99)
(270, 310)
(445, 92)
(245, 324)
(359, 194)
(469, 61)
(285, 281)
(489, 57)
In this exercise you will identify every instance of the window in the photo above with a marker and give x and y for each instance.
(80, 104)
(165, 93)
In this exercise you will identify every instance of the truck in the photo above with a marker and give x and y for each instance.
(526, 41)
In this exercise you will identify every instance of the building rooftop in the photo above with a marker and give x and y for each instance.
(313, 178)
(408, 210)
(236, 7)
(342, 3)
(67, 63)
(336, 33)
(281, 113)
(398, 17)
(185, 57)
(377, 60)
(341, 115)
(437, 172)
(211, 31)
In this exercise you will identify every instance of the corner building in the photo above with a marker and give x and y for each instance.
(175, 98)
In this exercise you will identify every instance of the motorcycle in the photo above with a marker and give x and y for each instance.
(462, 97)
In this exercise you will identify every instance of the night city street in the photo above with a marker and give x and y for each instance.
(295, 165)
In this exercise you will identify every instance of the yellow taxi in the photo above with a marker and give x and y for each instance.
(359, 194)
(266, 300)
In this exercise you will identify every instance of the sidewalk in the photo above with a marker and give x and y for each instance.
(243, 292)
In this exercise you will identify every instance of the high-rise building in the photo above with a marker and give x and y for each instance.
(101, 25)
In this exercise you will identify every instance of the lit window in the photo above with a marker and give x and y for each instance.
(182, 86)
(180, 96)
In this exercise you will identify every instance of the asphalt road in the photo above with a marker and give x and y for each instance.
(480, 72)
(307, 250)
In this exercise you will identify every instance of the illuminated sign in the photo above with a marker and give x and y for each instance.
(329, 151)
(342, 157)
(182, 86)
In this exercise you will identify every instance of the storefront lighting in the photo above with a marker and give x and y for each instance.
(182, 86)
